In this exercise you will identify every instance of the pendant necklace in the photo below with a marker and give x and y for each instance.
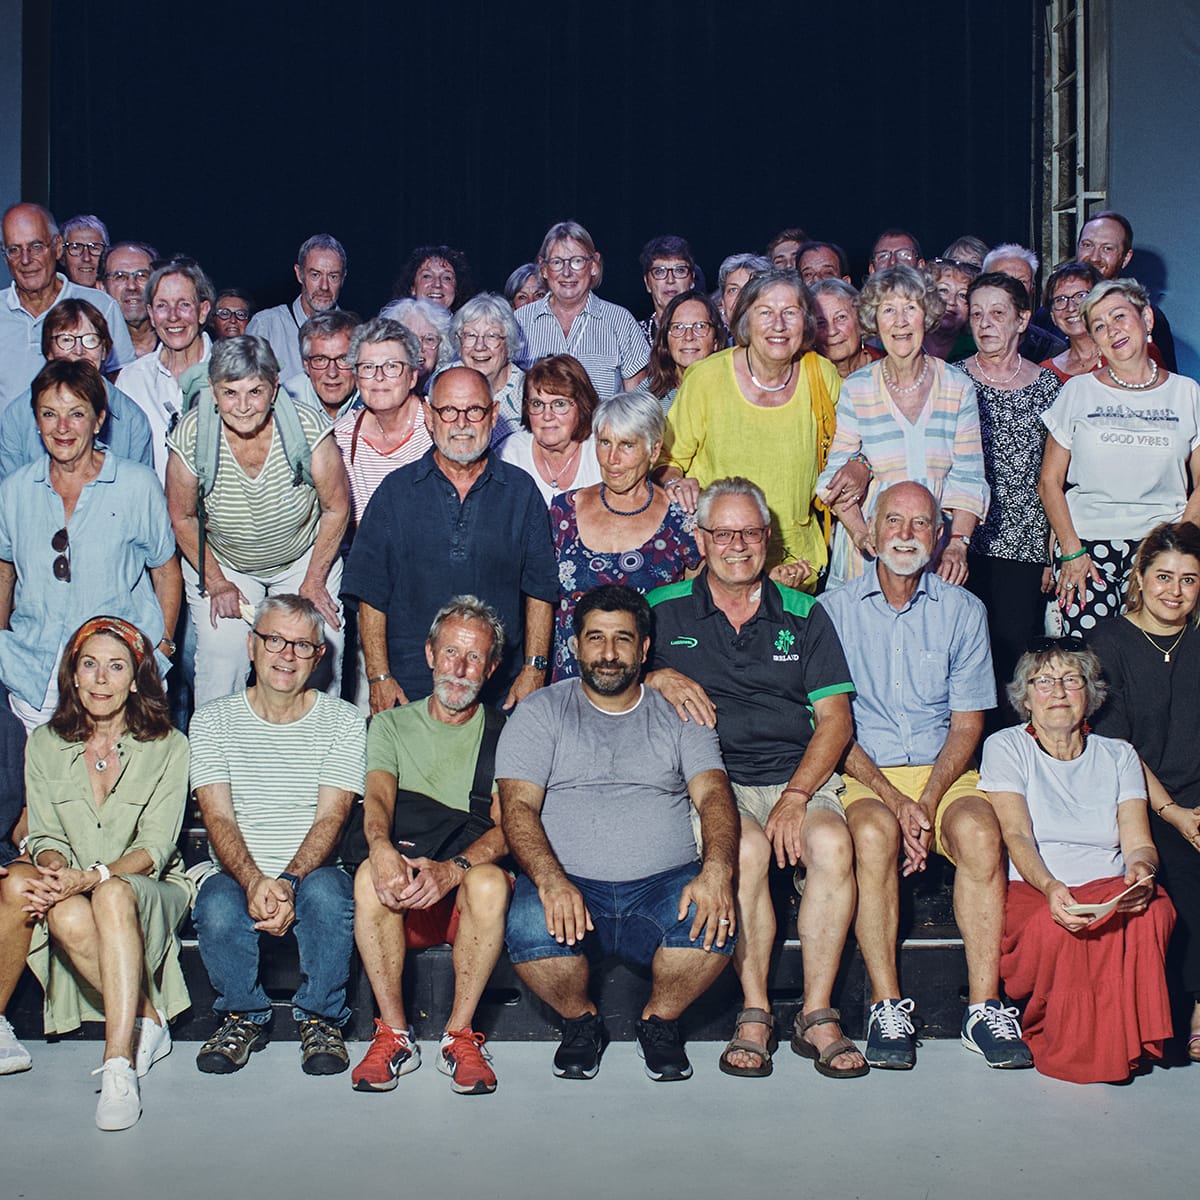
(1170, 649)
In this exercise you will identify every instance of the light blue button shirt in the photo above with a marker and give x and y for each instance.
(911, 668)
(119, 528)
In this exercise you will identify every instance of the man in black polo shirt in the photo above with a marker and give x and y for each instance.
(764, 663)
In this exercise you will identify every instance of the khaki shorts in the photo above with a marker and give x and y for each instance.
(756, 800)
(911, 781)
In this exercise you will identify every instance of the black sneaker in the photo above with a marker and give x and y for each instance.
(229, 1049)
(662, 1048)
(322, 1051)
(891, 1040)
(583, 1041)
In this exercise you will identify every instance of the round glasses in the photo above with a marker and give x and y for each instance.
(276, 644)
(68, 341)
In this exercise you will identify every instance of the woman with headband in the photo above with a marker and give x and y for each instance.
(106, 787)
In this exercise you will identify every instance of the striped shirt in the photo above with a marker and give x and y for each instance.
(365, 465)
(256, 525)
(605, 338)
(275, 772)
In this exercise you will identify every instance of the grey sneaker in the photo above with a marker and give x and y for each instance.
(995, 1032)
(13, 1056)
(322, 1050)
(120, 1104)
(229, 1049)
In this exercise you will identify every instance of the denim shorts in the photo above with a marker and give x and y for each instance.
(632, 919)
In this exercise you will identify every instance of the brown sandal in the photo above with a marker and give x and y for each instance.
(823, 1058)
(750, 1016)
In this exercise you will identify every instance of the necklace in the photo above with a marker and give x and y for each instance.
(1171, 648)
(409, 426)
(1000, 382)
(102, 759)
(762, 387)
(1135, 387)
(634, 511)
(544, 467)
(906, 391)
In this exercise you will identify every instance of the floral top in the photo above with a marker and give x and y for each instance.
(662, 559)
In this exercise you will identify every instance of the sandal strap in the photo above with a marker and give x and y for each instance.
(818, 1016)
(842, 1046)
(754, 1016)
(763, 1052)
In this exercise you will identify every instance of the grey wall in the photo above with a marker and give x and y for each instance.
(10, 102)
(1153, 164)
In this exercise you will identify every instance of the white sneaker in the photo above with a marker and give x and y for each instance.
(150, 1042)
(120, 1105)
(13, 1056)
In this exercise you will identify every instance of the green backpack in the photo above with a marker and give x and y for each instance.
(197, 393)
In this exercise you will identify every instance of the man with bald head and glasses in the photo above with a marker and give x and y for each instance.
(459, 521)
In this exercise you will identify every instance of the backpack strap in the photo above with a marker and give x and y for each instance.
(485, 764)
(296, 449)
(197, 393)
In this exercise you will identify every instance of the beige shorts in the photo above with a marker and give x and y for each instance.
(911, 781)
(755, 800)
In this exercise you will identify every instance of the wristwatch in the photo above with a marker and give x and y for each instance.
(965, 538)
(288, 877)
(460, 860)
(537, 660)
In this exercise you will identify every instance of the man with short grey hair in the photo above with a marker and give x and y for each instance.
(327, 383)
(85, 239)
(124, 273)
(321, 271)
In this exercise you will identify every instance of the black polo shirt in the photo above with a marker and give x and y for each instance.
(763, 680)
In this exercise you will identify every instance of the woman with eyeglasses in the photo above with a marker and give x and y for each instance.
(485, 335)
(76, 329)
(106, 782)
(1123, 456)
(388, 430)
(270, 524)
(431, 323)
(231, 313)
(1151, 658)
(624, 529)
(81, 531)
(1072, 809)
(691, 330)
(555, 446)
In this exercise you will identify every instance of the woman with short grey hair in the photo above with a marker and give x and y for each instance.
(624, 529)
(487, 338)
(431, 323)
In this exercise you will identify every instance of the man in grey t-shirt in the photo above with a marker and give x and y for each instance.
(597, 777)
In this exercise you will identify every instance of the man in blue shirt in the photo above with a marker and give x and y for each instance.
(922, 668)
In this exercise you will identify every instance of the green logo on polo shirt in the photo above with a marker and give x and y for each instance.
(785, 639)
(690, 643)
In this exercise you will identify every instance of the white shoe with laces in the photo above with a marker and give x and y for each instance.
(13, 1056)
(150, 1042)
(120, 1104)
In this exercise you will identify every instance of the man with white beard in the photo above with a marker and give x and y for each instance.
(918, 653)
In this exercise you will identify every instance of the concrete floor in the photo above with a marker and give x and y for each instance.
(949, 1129)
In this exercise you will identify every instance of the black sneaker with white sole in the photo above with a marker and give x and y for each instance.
(583, 1042)
(661, 1046)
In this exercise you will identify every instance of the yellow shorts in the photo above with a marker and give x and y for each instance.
(911, 781)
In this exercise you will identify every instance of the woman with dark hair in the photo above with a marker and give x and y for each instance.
(763, 410)
(1072, 809)
(691, 331)
(106, 782)
(438, 273)
(1151, 658)
(80, 530)
(555, 445)
(1066, 289)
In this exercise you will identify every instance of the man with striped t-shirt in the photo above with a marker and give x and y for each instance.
(275, 769)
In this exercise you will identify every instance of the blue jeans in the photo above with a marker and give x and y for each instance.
(632, 919)
(324, 931)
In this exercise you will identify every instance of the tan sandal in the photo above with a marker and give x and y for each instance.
(750, 1016)
(823, 1059)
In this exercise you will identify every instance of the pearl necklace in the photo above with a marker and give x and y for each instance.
(998, 382)
(1135, 387)
(906, 391)
(633, 512)
(1170, 649)
(544, 466)
(762, 387)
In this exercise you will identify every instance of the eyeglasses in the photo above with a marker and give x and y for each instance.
(678, 271)
(576, 262)
(560, 404)
(431, 339)
(1046, 645)
(68, 341)
(60, 543)
(751, 535)
(242, 314)
(320, 362)
(134, 277)
(1075, 298)
(276, 644)
(698, 328)
(967, 268)
(91, 249)
(1045, 683)
(886, 258)
(490, 340)
(368, 370)
(33, 249)
(475, 413)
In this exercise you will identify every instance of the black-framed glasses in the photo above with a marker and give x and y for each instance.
(60, 543)
(675, 271)
(68, 341)
(91, 249)
(1072, 643)
(320, 362)
(680, 329)
(560, 404)
(301, 648)
(391, 369)
(751, 535)
(1065, 301)
(474, 413)
(242, 314)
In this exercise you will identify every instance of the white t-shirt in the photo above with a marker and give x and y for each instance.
(1073, 804)
(1129, 453)
(518, 450)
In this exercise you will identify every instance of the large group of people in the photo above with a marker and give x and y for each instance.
(509, 621)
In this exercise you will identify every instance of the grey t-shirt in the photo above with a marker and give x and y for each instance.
(617, 805)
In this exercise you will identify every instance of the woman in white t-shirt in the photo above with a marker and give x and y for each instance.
(1072, 809)
(1125, 438)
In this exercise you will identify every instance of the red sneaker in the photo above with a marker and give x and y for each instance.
(391, 1055)
(464, 1059)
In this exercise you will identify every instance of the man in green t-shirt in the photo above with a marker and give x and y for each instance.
(402, 902)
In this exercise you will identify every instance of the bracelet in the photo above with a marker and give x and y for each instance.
(1071, 557)
(859, 457)
(1158, 812)
(799, 791)
(379, 678)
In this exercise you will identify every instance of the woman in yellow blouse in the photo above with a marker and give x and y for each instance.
(106, 785)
